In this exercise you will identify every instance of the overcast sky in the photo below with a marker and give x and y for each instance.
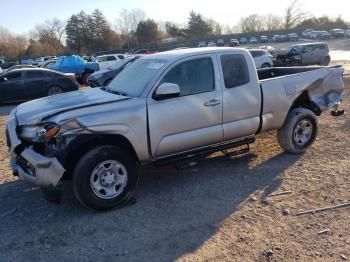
(20, 16)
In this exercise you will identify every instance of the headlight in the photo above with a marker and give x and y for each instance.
(40, 133)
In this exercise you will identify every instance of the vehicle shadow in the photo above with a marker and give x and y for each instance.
(174, 214)
(6, 109)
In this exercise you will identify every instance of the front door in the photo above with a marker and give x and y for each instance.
(11, 87)
(193, 119)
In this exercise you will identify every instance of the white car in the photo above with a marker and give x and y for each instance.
(262, 59)
(211, 44)
(106, 61)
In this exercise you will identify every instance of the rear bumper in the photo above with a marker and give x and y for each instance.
(30, 165)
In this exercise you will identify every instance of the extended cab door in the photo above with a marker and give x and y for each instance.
(241, 95)
(193, 119)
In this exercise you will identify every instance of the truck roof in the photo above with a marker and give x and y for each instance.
(179, 53)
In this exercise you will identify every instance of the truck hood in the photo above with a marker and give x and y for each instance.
(33, 112)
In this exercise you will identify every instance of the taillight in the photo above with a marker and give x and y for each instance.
(72, 77)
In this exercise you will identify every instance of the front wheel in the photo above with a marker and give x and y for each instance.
(105, 178)
(54, 90)
(299, 131)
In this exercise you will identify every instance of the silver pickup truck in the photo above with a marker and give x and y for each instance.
(165, 107)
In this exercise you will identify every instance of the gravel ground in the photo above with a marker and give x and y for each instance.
(217, 211)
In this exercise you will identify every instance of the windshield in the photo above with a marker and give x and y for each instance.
(119, 64)
(132, 80)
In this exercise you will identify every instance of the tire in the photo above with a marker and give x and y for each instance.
(84, 78)
(265, 65)
(54, 90)
(295, 63)
(105, 167)
(299, 131)
(326, 61)
(108, 82)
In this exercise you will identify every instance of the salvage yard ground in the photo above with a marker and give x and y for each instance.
(218, 211)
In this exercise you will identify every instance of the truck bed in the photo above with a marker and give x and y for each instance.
(272, 72)
(281, 87)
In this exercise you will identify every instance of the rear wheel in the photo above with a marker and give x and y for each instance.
(54, 90)
(265, 65)
(299, 131)
(326, 61)
(84, 78)
(105, 178)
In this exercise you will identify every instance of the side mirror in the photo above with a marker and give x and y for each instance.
(167, 90)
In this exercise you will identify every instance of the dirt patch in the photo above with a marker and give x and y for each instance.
(217, 211)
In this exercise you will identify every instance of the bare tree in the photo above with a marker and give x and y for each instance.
(252, 23)
(216, 26)
(127, 22)
(52, 33)
(294, 14)
(273, 22)
(12, 45)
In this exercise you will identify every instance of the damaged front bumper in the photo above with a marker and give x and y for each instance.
(28, 164)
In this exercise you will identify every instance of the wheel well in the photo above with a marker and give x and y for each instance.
(79, 146)
(88, 71)
(304, 101)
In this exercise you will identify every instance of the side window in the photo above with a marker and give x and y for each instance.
(121, 57)
(235, 70)
(193, 77)
(111, 58)
(102, 59)
(254, 53)
(13, 76)
(35, 74)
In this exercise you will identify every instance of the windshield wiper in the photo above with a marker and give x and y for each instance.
(117, 92)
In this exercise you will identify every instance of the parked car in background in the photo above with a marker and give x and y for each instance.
(202, 44)
(49, 64)
(5, 64)
(89, 58)
(104, 77)
(75, 64)
(41, 60)
(243, 41)
(145, 51)
(234, 42)
(304, 55)
(269, 49)
(281, 38)
(106, 61)
(347, 33)
(293, 37)
(253, 40)
(324, 35)
(186, 103)
(220, 42)
(27, 61)
(211, 44)
(261, 58)
(264, 39)
(31, 83)
(337, 33)
(306, 33)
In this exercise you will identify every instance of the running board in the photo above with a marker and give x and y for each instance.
(203, 152)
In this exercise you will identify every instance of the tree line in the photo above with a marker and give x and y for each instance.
(83, 33)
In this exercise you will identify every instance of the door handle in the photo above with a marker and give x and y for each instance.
(212, 102)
